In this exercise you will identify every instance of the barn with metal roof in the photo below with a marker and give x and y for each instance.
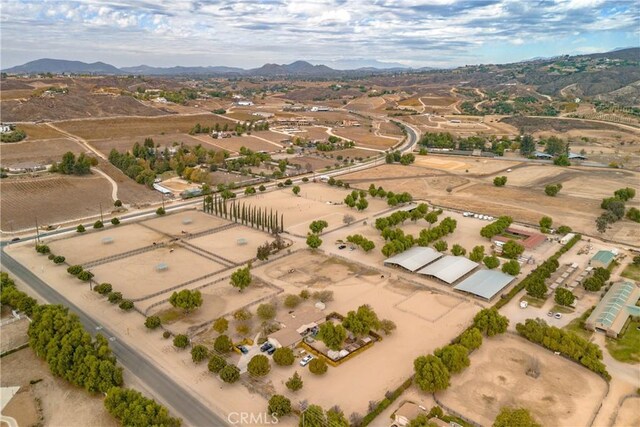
(449, 268)
(414, 258)
(613, 310)
(485, 284)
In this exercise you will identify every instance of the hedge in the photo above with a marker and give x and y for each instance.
(386, 402)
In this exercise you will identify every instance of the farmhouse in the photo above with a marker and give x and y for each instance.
(26, 167)
(293, 121)
(576, 156)
(485, 284)
(602, 259)
(407, 412)
(615, 308)
(527, 238)
(294, 326)
(541, 155)
(414, 258)
(449, 268)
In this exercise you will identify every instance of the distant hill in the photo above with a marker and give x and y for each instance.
(59, 66)
(177, 71)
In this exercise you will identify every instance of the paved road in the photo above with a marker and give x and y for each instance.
(192, 411)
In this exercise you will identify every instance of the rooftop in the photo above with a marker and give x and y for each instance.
(604, 257)
(449, 268)
(414, 258)
(485, 283)
(616, 306)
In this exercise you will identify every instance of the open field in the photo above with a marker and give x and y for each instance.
(39, 131)
(124, 238)
(16, 94)
(311, 163)
(189, 222)
(129, 191)
(353, 285)
(61, 403)
(363, 136)
(628, 414)
(312, 204)
(65, 198)
(234, 143)
(137, 276)
(14, 334)
(565, 394)
(40, 151)
(226, 243)
(120, 127)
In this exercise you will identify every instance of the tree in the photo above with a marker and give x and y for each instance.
(512, 249)
(279, 406)
(564, 297)
(633, 214)
(283, 356)
(85, 276)
(160, 211)
(562, 160)
(546, 222)
(536, 288)
(126, 305)
(216, 363)
(262, 188)
(242, 314)
(360, 322)
(58, 259)
(114, 297)
(98, 224)
(241, 278)
(592, 284)
(131, 408)
(230, 374)
(313, 416)
(115, 221)
(552, 189)
(431, 374)
(222, 344)
(117, 203)
(336, 418)
(455, 357)
(103, 288)
(477, 253)
(499, 181)
(152, 322)
(387, 326)
(292, 301)
(348, 219)
(318, 366)
(259, 366)
(527, 145)
(490, 322)
(294, 383)
(295, 190)
(186, 299)
(603, 221)
(362, 204)
(458, 250)
(181, 341)
(509, 417)
(80, 229)
(313, 241)
(625, 194)
(332, 335)
(220, 325)
(316, 227)
(266, 311)
(511, 267)
(199, 353)
(491, 262)
(471, 339)
(422, 420)
(440, 246)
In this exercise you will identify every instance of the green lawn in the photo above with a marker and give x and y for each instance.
(562, 309)
(575, 326)
(626, 348)
(632, 272)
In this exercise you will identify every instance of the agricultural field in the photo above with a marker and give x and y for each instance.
(367, 137)
(141, 127)
(44, 151)
(130, 192)
(234, 143)
(65, 198)
(39, 131)
(564, 394)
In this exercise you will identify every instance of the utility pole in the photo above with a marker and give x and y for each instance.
(37, 231)
(162, 201)
(101, 218)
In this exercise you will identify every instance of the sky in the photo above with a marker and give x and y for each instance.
(339, 33)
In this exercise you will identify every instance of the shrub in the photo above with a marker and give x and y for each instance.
(499, 181)
(126, 305)
(98, 224)
(85, 276)
(266, 311)
(160, 211)
(216, 363)
(166, 334)
(283, 356)
(259, 366)
(318, 366)
(292, 301)
(181, 341)
(221, 325)
(294, 383)
(103, 288)
(58, 259)
(279, 406)
(80, 229)
(222, 344)
(114, 297)
(115, 221)
(152, 322)
(229, 374)
(74, 270)
(199, 353)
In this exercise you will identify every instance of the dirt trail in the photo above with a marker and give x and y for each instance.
(79, 140)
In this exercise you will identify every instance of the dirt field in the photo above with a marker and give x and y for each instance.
(226, 243)
(65, 198)
(39, 131)
(61, 403)
(390, 359)
(137, 277)
(125, 238)
(565, 394)
(129, 191)
(234, 143)
(312, 163)
(14, 334)
(138, 126)
(362, 136)
(40, 151)
(188, 221)
(629, 413)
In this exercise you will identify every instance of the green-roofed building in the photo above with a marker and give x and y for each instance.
(602, 259)
(615, 308)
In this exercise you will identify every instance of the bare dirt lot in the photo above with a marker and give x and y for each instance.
(40, 151)
(312, 163)
(190, 221)
(629, 413)
(14, 334)
(65, 198)
(138, 126)
(226, 243)
(362, 136)
(61, 404)
(39, 131)
(234, 143)
(565, 394)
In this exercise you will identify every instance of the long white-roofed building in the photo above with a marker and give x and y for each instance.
(414, 258)
(449, 268)
(485, 284)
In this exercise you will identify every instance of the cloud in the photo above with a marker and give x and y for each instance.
(249, 33)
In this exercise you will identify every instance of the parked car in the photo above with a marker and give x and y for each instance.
(266, 347)
(524, 304)
(305, 360)
(342, 247)
(15, 239)
(243, 349)
(557, 315)
(550, 314)
(271, 350)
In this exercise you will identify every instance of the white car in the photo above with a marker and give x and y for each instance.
(305, 360)
(524, 304)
